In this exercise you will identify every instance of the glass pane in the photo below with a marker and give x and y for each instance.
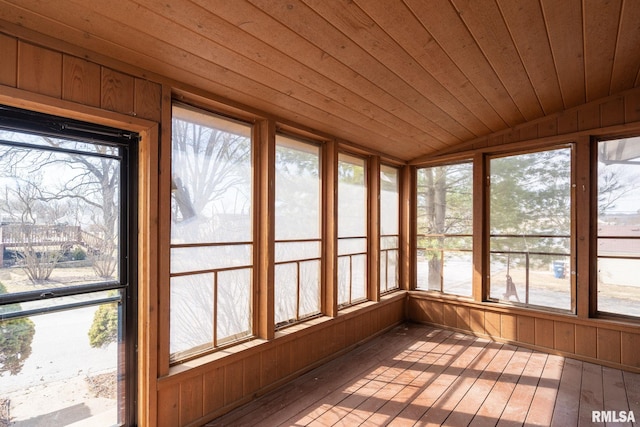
(60, 216)
(389, 201)
(286, 292)
(297, 217)
(298, 189)
(234, 305)
(309, 288)
(296, 251)
(458, 273)
(352, 222)
(210, 257)
(191, 319)
(444, 220)
(211, 179)
(530, 226)
(619, 226)
(53, 378)
(211, 230)
(352, 196)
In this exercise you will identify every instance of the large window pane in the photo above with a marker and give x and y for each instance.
(444, 218)
(530, 226)
(297, 229)
(352, 229)
(389, 228)
(211, 231)
(619, 226)
(62, 378)
(65, 282)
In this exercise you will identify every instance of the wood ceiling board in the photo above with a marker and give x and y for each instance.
(227, 83)
(601, 23)
(486, 25)
(564, 26)
(301, 61)
(193, 28)
(304, 21)
(442, 21)
(526, 25)
(363, 31)
(626, 64)
(404, 28)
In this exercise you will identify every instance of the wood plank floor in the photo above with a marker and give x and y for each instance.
(416, 375)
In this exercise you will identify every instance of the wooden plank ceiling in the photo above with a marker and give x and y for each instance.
(404, 77)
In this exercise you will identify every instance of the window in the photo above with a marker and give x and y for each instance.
(211, 232)
(619, 226)
(352, 229)
(389, 228)
(444, 228)
(67, 277)
(298, 230)
(530, 229)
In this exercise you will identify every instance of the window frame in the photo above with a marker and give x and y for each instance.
(381, 236)
(253, 267)
(570, 271)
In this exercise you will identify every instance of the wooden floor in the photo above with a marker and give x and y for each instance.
(419, 375)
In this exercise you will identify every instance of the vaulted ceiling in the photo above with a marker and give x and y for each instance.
(404, 77)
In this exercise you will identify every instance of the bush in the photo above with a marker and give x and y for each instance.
(16, 336)
(104, 329)
(78, 254)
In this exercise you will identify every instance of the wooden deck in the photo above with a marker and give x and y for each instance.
(419, 375)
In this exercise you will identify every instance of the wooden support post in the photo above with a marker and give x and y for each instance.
(373, 284)
(330, 229)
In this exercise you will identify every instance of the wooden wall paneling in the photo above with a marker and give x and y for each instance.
(339, 337)
(233, 383)
(191, 400)
(251, 373)
(630, 354)
(586, 341)
(169, 406)
(450, 316)
(147, 99)
(526, 329)
(529, 132)
(608, 345)
(567, 122)
(612, 112)
(508, 326)
(463, 320)
(39, 70)
(476, 321)
(373, 199)
(512, 135)
(548, 127)
(544, 332)
(213, 390)
(632, 106)
(117, 93)
(495, 139)
(81, 82)
(564, 336)
(9, 63)
(269, 366)
(492, 324)
(285, 353)
(264, 145)
(589, 116)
